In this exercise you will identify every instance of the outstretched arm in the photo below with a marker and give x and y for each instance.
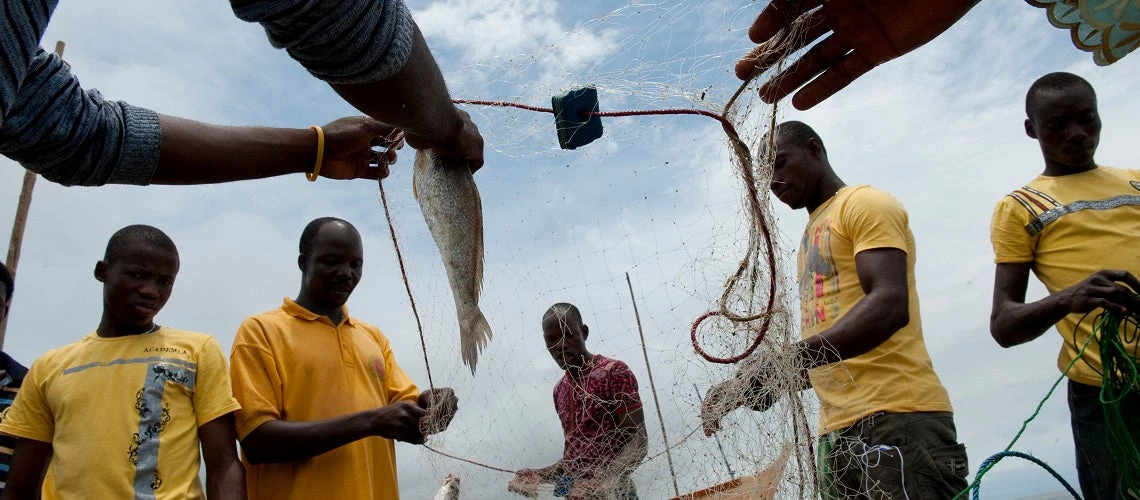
(29, 464)
(283, 441)
(883, 310)
(1014, 322)
(225, 476)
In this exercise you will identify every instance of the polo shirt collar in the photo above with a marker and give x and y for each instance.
(292, 308)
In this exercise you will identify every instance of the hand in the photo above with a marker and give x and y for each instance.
(525, 483)
(464, 142)
(348, 148)
(440, 405)
(589, 488)
(400, 421)
(721, 399)
(864, 34)
(1113, 290)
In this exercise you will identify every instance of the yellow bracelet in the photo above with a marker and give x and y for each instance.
(320, 154)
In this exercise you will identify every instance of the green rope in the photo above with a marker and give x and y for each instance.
(1120, 377)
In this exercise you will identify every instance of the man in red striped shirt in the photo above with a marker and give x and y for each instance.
(600, 409)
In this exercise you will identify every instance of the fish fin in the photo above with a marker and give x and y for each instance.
(478, 243)
(474, 334)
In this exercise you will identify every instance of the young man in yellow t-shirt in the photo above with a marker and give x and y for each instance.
(322, 395)
(1077, 227)
(121, 413)
(886, 424)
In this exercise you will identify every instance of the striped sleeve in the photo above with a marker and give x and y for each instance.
(22, 23)
(338, 41)
(75, 137)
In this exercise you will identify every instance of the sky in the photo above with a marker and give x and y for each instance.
(656, 198)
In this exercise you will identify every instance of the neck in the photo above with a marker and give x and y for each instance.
(828, 186)
(584, 361)
(1057, 169)
(335, 313)
(111, 327)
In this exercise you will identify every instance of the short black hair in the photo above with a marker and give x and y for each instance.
(309, 234)
(798, 133)
(135, 234)
(563, 310)
(1053, 82)
(6, 278)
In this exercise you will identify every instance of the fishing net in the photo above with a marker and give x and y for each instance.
(673, 257)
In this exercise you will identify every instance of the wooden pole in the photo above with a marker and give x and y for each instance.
(22, 207)
(653, 387)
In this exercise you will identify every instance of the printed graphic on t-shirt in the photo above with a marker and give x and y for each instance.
(377, 364)
(819, 283)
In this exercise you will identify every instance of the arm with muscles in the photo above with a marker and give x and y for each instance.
(630, 430)
(882, 311)
(75, 137)
(1014, 322)
(372, 53)
(225, 475)
(29, 465)
(278, 441)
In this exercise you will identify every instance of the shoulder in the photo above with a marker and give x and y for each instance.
(872, 199)
(613, 369)
(371, 330)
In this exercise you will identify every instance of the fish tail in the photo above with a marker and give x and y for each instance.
(474, 334)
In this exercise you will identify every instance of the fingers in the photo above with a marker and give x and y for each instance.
(851, 67)
(763, 56)
(818, 58)
(1122, 276)
(776, 15)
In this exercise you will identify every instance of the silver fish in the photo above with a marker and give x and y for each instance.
(451, 206)
(449, 490)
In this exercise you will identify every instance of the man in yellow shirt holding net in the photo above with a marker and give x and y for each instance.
(322, 395)
(886, 427)
(1077, 227)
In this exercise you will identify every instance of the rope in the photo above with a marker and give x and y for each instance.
(995, 458)
(1119, 372)
(744, 158)
(653, 387)
(404, 275)
(472, 462)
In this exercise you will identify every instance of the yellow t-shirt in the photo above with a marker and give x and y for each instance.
(122, 414)
(896, 376)
(1069, 227)
(290, 364)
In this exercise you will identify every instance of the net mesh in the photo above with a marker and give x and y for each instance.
(689, 221)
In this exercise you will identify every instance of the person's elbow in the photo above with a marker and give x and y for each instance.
(1000, 331)
(894, 311)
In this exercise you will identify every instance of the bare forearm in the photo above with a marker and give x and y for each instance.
(226, 482)
(282, 441)
(629, 457)
(414, 99)
(1014, 323)
(866, 326)
(199, 153)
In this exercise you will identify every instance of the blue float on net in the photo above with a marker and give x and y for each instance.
(576, 127)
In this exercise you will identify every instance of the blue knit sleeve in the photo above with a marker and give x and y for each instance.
(74, 137)
(338, 41)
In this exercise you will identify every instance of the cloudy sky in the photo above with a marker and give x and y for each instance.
(655, 197)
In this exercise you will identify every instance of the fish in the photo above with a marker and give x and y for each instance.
(450, 203)
(449, 490)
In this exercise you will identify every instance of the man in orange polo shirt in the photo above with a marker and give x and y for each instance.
(322, 395)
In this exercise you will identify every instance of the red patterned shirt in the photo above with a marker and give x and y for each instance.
(590, 408)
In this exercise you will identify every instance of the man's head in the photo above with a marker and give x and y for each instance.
(801, 163)
(565, 335)
(1061, 113)
(6, 290)
(137, 272)
(331, 261)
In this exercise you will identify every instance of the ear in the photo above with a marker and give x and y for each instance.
(1029, 130)
(814, 148)
(101, 272)
(302, 262)
(585, 332)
